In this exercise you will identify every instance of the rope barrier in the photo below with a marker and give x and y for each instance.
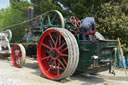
(25, 21)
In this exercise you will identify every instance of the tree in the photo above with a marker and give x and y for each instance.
(22, 6)
(112, 22)
(110, 15)
(11, 16)
(82, 8)
(16, 13)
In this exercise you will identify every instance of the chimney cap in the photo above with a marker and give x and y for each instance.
(30, 7)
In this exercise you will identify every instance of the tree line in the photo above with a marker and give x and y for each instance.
(111, 16)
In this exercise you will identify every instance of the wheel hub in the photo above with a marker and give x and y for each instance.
(54, 53)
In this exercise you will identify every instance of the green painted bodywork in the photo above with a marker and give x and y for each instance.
(101, 48)
(33, 38)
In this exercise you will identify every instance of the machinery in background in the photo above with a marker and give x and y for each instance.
(5, 38)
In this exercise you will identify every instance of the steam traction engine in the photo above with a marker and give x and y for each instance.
(60, 51)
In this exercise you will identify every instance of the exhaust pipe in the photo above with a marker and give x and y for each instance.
(30, 14)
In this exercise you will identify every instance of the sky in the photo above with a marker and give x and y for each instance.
(4, 3)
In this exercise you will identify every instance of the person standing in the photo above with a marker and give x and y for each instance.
(88, 28)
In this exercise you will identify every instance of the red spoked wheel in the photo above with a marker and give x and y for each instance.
(57, 53)
(76, 22)
(18, 55)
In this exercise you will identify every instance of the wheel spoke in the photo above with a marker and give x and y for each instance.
(51, 43)
(18, 60)
(58, 70)
(65, 49)
(16, 53)
(54, 18)
(49, 21)
(61, 63)
(75, 23)
(64, 61)
(73, 20)
(59, 39)
(20, 54)
(63, 54)
(46, 46)
(62, 45)
(50, 61)
(52, 39)
(51, 66)
(55, 67)
(45, 57)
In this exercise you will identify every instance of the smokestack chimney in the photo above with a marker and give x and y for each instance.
(30, 13)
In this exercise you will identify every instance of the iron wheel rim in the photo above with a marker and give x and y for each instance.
(56, 63)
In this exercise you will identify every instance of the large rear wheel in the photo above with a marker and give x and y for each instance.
(57, 53)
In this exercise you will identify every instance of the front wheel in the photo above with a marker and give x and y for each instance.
(18, 55)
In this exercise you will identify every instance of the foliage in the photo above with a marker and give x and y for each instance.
(11, 16)
(112, 22)
(82, 8)
(111, 15)
(47, 5)
(20, 6)
(16, 13)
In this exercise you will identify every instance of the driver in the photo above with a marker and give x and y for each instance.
(88, 28)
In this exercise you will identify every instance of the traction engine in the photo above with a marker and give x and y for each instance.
(60, 52)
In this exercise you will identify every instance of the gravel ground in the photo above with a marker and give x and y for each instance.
(30, 75)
